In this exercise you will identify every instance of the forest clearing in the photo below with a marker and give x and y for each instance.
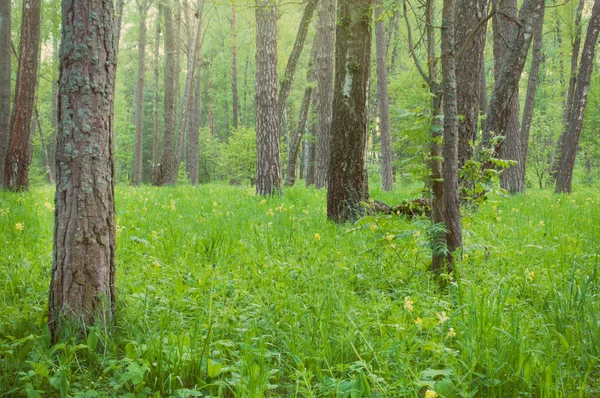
(323, 198)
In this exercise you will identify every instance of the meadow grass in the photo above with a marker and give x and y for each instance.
(225, 294)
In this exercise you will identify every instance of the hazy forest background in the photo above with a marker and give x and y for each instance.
(351, 198)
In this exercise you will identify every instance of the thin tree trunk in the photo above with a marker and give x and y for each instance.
(246, 89)
(297, 139)
(348, 185)
(49, 174)
(569, 150)
(387, 177)
(194, 138)
(118, 24)
(54, 107)
(234, 86)
(324, 65)
(470, 14)
(268, 168)
(5, 83)
(82, 291)
(450, 167)
(285, 86)
(16, 167)
(156, 137)
(139, 113)
(536, 60)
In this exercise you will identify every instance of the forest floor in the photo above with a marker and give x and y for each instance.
(222, 293)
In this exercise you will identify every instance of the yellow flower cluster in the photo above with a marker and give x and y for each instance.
(19, 226)
(409, 305)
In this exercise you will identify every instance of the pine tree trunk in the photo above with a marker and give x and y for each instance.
(18, 157)
(469, 66)
(564, 177)
(450, 167)
(348, 186)
(536, 60)
(194, 138)
(139, 113)
(297, 139)
(118, 24)
(234, 86)
(5, 83)
(268, 168)
(38, 122)
(156, 135)
(54, 108)
(288, 79)
(167, 169)
(387, 177)
(324, 66)
(82, 291)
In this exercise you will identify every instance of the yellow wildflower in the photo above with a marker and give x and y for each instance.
(409, 305)
(317, 237)
(215, 204)
(271, 213)
(49, 206)
(442, 317)
(431, 394)
(172, 205)
(451, 333)
(19, 226)
(154, 235)
(542, 223)
(530, 274)
(419, 321)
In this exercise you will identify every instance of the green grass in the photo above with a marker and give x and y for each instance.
(222, 293)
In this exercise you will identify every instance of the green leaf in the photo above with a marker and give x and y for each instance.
(214, 368)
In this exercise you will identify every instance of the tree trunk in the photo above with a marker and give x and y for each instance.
(16, 167)
(268, 168)
(167, 169)
(234, 87)
(54, 107)
(139, 112)
(387, 177)
(49, 173)
(194, 137)
(297, 139)
(118, 24)
(82, 291)
(286, 83)
(5, 84)
(156, 138)
(450, 167)
(505, 87)
(536, 60)
(569, 149)
(470, 15)
(348, 186)
(325, 62)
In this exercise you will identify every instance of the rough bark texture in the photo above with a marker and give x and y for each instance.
(5, 83)
(139, 112)
(167, 169)
(290, 179)
(234, 86)
(324, 66)
(507, 82)
(451, 198)
(18, 157)
(348, 185)
(156, 137)
(268, 168)
(288, 79)
(470, 16)
(82, 291)
(569, 149)
(387, 177)
(536, 60)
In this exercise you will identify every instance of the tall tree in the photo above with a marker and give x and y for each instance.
(194, 136)
(143, 7)
(451, 199)
(5, 78)
(471, 24)
(268, 167)
(18, 157)
(155, 99)
(324, 66)
(387, 177)
(166, 173)
(286, 83)
(234, 86)
(536, 60)
(82, 291)
(569, 150)
(348, 185)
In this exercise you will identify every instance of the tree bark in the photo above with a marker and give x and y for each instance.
(38, 122)
(118, 24)
(569, 150)
(234, 86)
(285, 86)
(18, 157)
(82, 291)
(470, 34)
(167, 169)
(324, 65)
(297, 139)
(143, 6)
(5, 83)
(54, 107)
(348, 186)
(194, 137)
(387, 177)
(156, 137)
(450, 167)
(268, 168)
(536, 60)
